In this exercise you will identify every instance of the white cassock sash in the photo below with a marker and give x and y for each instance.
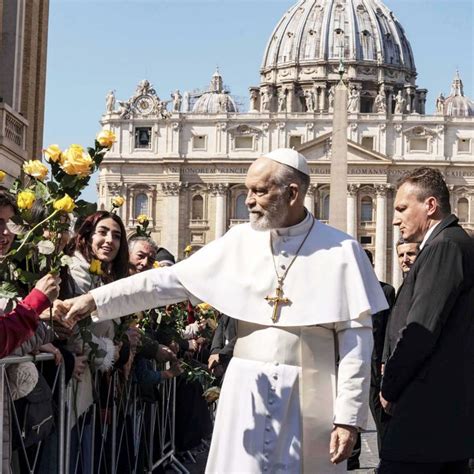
(313, 349)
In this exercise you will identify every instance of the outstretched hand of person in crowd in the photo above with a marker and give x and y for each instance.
(49, 286)
(80, 364)
(343, 439)
(79, 308)
(52, 349)
(165, 354)
(174, 370)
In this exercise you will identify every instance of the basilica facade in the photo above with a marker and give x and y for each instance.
(183, 162)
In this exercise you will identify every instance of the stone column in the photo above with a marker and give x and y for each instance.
(352, 209)
(171, 220)
(220, 193)
(381, 231)
(131, 210)
(322, 97)
(309, 198)
(396, 271)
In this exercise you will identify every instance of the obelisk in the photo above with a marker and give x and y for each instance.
(338, 190)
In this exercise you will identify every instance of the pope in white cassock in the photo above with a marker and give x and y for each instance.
(296, 391)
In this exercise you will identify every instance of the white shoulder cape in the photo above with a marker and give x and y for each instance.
(330, 281)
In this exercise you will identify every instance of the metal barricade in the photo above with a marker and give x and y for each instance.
(5, 394)
(123, 427)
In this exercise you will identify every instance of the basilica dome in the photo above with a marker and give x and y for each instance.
(457, 104)
(216, 99)
(313, 35)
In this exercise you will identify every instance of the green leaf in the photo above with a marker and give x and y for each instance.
(85, 209)
(8, 291)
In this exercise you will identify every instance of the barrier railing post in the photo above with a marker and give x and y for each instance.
(114, 421)
(2, 394)
(62, 420)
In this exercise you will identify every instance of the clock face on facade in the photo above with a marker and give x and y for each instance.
(144, 105)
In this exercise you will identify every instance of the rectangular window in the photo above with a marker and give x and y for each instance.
(366, 240)
(199, 142)
(295, 141)
(244, 143)
(419, 144)
(464, 145)
(368, 142)
(143, 137)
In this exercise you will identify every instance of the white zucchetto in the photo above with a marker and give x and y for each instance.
(289, 157)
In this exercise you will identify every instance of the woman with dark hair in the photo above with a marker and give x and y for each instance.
(99, 253)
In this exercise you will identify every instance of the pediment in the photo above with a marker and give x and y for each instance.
(320, 149)
(244, 129)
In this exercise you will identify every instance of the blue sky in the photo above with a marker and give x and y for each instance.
(98, 45)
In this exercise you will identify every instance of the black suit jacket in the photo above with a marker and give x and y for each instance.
(379, 327)
(430, 374)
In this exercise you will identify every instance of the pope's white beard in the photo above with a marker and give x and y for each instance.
(274, 217)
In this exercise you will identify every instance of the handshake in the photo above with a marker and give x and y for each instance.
(69, 312)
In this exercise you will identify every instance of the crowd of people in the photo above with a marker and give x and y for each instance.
(145, 348)
(406, 354)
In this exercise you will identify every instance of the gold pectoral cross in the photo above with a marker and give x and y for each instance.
(277, 300)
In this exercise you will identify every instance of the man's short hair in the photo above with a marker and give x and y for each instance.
(287, 175)
(429, 182)
(400, 241)
(134, 240)
(7, 199)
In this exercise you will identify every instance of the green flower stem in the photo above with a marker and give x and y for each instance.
(27, 236)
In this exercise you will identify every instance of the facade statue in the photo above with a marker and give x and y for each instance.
(331, 99)
(400, 103)
(380, 104)
(177, 100)
(253, 100)
(265, 101)
(440, 104)
(282, 101)
(186, 102)
(309, 101)
(110, 102)
(353, 104)
(125, 109)
(143, 87)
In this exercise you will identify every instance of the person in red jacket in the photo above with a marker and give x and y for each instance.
(19, 325)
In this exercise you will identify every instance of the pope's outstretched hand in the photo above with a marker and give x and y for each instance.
(79, 308)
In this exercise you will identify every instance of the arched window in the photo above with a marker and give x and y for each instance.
(141, 204)
(197, 211)
(324, 209)
(366, 209)
(241, 210)
(463, 210)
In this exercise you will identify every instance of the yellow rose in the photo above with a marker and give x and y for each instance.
(188, 249)
(76, 161)
(36, 169)
(204, 306)
(142, 219)
(65, 204)
(95, 267)
(156, 265)
(2, 175)
(118, 201)
(53, 153)
(106, 138)
(25, 199)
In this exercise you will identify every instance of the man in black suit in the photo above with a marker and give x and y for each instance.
(379, 325)
(407, 253)
(428, 382)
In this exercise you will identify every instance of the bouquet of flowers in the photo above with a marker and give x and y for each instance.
(46, 199)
